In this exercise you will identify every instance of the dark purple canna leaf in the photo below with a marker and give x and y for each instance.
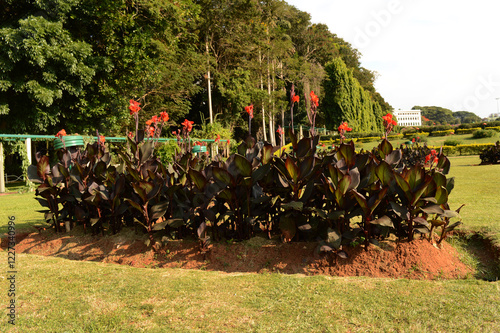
(304, 148)
(384, 221)
(267, 153)
(292, 169)
(159, 210)
(306, 167)
(43, 167)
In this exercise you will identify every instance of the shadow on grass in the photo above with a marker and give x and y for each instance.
(479, 253)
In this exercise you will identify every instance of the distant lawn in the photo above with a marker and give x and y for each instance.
(477, 186)
(434, 141)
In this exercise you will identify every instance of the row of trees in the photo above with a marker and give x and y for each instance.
(443, 116)
(74, 64)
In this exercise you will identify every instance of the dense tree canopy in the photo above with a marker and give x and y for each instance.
(467, 117)
(437, 114)
(74, 64)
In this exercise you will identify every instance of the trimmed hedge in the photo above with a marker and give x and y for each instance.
(464, 150)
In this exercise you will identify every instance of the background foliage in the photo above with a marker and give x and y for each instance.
(73, 63)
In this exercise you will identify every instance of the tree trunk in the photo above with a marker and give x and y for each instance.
(263, 110)
(210, 112)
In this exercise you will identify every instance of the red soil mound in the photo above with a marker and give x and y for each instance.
(415, 260)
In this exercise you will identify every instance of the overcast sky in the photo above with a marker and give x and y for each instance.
(441, 52)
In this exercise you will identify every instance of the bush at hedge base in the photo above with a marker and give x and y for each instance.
(480, 134)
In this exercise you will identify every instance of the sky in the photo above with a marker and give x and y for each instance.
(426, 52)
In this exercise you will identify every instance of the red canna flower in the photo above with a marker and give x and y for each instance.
(131, 135)
(151, 131)
(344, 128)
(61, 133)
(314, 99)
(249, 110)
(197, 143)
(280, 131)
(427, 158)
(436, 160)
(394, 122)
(295, 98)
(134, 107)
(433, 152)
(164, 116)
(228, 142)
(387, 118)
(188, 125)
(217, 139)
(149, 122)
(102, 138)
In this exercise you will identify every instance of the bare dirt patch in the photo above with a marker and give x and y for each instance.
(415, 260)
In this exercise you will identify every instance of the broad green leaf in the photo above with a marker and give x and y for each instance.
(384, 173)
(223, 176)
(441, 195)
(243, 165)
(439, 179)
(385, 147)
(198, 179)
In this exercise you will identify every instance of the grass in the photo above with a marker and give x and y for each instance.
(433, 141)
(96, 297)
(60, 295)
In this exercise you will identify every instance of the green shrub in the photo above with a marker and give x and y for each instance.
(479, 134)
(442, 133)
(452, 142)
(491, 155)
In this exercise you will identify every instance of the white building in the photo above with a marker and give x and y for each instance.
(408, 117)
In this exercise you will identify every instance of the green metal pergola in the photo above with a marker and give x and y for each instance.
(27, 138)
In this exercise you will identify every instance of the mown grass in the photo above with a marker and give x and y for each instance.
(465, 139)
(59, 295)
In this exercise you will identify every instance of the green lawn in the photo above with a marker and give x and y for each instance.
(59, 295)
(464, 139)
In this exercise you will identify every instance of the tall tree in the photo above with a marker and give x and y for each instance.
(346, 100)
